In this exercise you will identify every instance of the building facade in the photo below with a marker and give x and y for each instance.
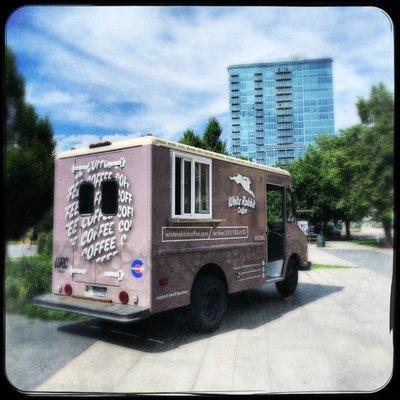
(278, 108)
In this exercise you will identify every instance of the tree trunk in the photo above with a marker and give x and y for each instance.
(388, 233)
(347, 223)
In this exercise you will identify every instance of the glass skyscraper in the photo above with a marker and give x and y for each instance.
(278, 108)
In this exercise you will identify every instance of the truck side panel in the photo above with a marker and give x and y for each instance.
(238, 245)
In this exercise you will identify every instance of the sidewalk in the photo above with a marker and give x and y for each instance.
(316, 341)
(348, 254)
(343, 244)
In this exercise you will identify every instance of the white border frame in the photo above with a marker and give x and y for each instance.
(193, 159)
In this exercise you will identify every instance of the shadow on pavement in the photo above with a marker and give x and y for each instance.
(168, 330)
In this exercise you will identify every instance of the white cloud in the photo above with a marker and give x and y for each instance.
(49, 98)
(90, 60)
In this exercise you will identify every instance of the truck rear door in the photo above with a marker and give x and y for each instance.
(117, 212)
(83, 268)
(105, 217)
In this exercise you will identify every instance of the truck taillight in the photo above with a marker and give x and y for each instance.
(163, 282)
(68, 289)
(123, 297)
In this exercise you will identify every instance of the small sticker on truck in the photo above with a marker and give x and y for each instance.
(137, 268)
(61, 263)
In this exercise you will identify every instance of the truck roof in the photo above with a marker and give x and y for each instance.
(152, 140)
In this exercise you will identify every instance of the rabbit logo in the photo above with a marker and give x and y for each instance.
(244, 181)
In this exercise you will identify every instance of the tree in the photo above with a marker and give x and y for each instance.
(313, 184)
(210, 139)
(15, 92)
(350, 175)
(378, 107)
(376, 150)
(346, 171)
(191, 138)
(29, 157)
(328, 179)
(243, 157)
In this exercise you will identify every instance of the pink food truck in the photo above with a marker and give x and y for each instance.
(146, 225)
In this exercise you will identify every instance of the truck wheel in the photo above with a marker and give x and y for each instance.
(287, 287)
(208, 304)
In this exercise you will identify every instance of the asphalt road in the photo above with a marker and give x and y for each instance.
(332, 335)
(36, 349)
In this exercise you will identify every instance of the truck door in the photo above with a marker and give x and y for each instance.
(116, 213)
(99, 215)
(275, 206)
(84, 270)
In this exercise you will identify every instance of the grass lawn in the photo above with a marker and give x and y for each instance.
(323, 266)
(25, 278)
(16, 242)
(369, 242)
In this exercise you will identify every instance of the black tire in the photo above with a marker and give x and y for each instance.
(208, 304)
(288, 286)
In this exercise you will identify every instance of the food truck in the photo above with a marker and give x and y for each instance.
(147, 225)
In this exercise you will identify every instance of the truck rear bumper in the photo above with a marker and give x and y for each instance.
(92, 308)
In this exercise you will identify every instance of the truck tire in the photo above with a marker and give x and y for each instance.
(208, 304)
(288, 286)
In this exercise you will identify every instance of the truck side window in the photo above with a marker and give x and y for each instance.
(109, 197)
(187, 185)
(202, 188)
(178, 171)
(191, 190)
(86, 198)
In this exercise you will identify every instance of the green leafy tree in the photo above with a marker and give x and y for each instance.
(212, 137)
(376, 150)
(328, 180)
(243, 157)
(209, 140)
(314, 183)
(378, 107)
(15, 89)
(29, 161)
(350, 176)
(191, 138)
(349, 173)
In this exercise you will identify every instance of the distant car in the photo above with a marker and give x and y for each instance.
(330, 232)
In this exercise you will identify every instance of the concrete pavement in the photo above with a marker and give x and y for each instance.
(332, 335)
(379, 260)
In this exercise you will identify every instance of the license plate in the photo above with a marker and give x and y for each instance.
(97, 291)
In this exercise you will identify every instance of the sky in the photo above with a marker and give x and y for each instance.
(109, 73)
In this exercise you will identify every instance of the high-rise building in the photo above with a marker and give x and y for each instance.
(278, 108)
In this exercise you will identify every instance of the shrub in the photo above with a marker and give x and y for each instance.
(46, 222)
(45, 244)
(27, 277)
